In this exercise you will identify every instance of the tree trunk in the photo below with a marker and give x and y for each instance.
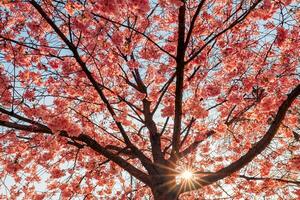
(164, 195)
(164, 185)
(166, 190)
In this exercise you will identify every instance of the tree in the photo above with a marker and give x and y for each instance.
(118, 98)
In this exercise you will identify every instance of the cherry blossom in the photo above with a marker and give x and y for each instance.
(111, 99)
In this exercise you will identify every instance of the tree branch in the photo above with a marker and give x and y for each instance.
(88, 141)
(179, 81)
(135, 30)
(256, 148)
(145, 160)
(189, 34)
(233, 24)
(193, 146)
(267, 178)
(30, 128)
(149, 122)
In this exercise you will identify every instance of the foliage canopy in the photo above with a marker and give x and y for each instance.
(116, 98)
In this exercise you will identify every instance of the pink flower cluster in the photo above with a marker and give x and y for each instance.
(63, 123)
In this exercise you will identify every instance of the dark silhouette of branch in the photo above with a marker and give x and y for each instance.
(179, 82)
(194, 145)
(189, 34)
(91, 143)
(233, 24)
(249, 178)
(145, 160)
(135, 30)
(256, 148)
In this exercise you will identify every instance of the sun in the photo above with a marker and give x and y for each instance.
(186, 178)
(186, 175)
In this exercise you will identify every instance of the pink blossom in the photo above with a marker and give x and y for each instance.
(29, 94)
(132, 64)
(212, 90)
(168, 111)
(281, 36)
